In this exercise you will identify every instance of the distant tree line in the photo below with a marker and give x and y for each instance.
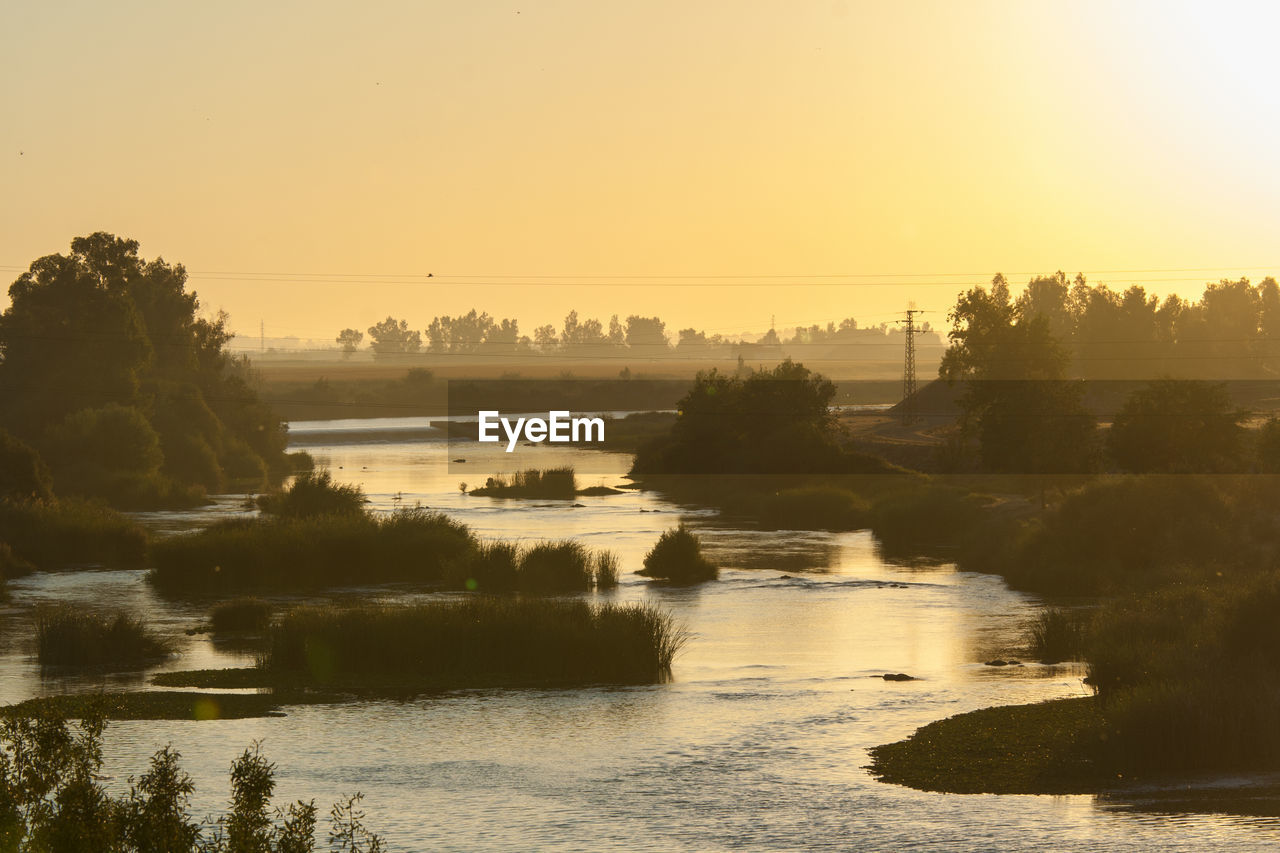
(478, 332)
(1231, 332)
(1027, 363)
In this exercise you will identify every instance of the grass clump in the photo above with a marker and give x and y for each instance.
(677, 558)
(57, 534)
(550, 483)
(243, 615)
(606, 566)
(556, 566)
(814, 508)
(1057, 635)
(68, 637)
(313, 494)
(475, 642)
(564, 566)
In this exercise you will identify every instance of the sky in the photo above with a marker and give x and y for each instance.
(723, 164)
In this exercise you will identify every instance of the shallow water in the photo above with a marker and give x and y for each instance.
(758, 742)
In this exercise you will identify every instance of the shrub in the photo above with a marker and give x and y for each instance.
(240, 615)
(53, 799)
(1178, 426)
(314, 494)
(23, 474)
(677, 557)
(1117, 533)
(814, 508)
(477, 641)
(69, 637)
(926, 516)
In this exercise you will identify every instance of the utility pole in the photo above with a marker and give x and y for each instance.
(262, 335)
(909, 414)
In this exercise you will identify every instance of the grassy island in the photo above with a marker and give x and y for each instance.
(473, 642)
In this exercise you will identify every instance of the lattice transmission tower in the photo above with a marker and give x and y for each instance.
(908, 407)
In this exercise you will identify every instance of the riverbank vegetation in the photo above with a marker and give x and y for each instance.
(318, 533)
(54, 799)
(51, 534)
(125, 391)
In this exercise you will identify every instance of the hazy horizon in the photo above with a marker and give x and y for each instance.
(723, 166)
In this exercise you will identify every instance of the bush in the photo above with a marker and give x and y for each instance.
(1118, 533)
(23, 474)
(113, 453)
(240, 615)
(926, 516)
(478, 641)
(1178, 426)
(814, 508)
(71, 533)
(677, 557)
(314, 494)
(56, 801)
(68, 637)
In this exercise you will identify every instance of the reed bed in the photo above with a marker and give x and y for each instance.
(240, 616)
(56, 534)
(287, 553)
(477, 641)
(69, 637)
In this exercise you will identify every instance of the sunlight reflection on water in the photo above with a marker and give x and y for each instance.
(759, 741)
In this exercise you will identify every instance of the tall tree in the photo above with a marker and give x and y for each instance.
(391, 338)
(349, 340)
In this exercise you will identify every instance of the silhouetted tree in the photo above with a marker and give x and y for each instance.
(350, 340)
(647, 333)
(23, 473)
(772, 421)
(1027, 418)
(1178, 426)
(392, 338)
(102, 327)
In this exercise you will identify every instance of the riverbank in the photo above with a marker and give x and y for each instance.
(1044, 748)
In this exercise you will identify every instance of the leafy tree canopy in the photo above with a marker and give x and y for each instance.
(101, 329)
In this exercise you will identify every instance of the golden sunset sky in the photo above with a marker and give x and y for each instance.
(697, 160)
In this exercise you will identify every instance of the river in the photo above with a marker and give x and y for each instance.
(759, 740)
